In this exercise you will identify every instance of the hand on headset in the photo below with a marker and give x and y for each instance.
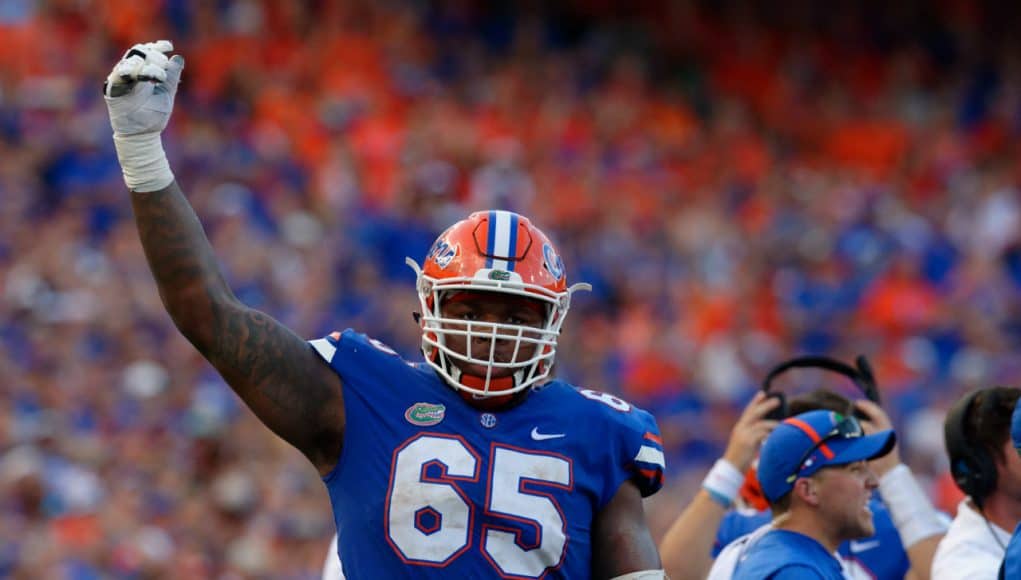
(749, 431)
(878, 420)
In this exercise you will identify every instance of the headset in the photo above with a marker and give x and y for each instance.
(860, 374)
(973, 467)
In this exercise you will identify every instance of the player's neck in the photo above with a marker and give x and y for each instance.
(1001, 510)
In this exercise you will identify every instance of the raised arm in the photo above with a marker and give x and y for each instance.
(277, 374)
(687, 546)
(920, 525)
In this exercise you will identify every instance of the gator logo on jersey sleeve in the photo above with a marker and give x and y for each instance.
(425, 414)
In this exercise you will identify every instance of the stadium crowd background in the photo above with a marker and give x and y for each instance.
(739, 183)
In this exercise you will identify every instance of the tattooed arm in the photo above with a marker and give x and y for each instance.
(275, 372)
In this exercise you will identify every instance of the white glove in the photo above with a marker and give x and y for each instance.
(139, 95)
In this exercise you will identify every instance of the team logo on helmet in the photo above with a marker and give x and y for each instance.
(425, 414)
(496, 251)
(442, 252)
(552, 261)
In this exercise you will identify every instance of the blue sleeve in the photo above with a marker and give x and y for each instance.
(796, 572)
(328, 345)
(631, 439)
(724, 535)
(736, 524)
(351, 352)
(640, 447)
(645, 460)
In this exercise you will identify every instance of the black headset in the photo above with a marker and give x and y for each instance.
(860, 374)
(973, 467)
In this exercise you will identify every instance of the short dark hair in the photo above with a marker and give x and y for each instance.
(782, 504)
(988, 426)
(817, 399)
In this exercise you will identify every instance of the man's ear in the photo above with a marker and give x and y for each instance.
(806, 490)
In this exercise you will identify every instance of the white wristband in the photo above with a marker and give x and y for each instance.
(143, 162)
(910, 509)
(723, 482)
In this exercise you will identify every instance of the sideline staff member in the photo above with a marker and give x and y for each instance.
(988, 470)
(814, 473)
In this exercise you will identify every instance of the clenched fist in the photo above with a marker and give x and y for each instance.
(139, 95)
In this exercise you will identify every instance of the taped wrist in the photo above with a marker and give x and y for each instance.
(143, 162)
(723, 482)
(912, 512)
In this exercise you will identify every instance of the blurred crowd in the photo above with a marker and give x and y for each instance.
(740, 184)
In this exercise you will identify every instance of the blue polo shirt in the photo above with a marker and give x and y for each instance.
(786, 555)
(881, 556)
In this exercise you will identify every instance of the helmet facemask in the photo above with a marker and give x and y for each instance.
(437, 330)
(498, 253)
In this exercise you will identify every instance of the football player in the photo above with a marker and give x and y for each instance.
(472, 463)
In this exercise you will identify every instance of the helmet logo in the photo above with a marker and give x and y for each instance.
(425, 414)
(499, 275)
(442, 252)
(552, 262)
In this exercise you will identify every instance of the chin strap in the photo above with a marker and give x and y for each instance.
(492, 402)
(479, 383)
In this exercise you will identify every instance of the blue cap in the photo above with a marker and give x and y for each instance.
(1015, 425)
(804, 444)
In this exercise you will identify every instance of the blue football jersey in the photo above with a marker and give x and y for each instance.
(881, 556)
(428, 486)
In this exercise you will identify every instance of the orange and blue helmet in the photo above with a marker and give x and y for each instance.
(500, 252)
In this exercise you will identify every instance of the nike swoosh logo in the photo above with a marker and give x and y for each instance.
(857, 546)
(544, 436)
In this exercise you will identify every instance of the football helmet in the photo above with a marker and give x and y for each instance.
(500, 252)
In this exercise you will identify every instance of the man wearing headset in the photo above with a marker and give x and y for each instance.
(907, 527)
(813, 470)
(985, 466)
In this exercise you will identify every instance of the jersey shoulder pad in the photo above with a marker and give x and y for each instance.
(640, 444)
(340, 348)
